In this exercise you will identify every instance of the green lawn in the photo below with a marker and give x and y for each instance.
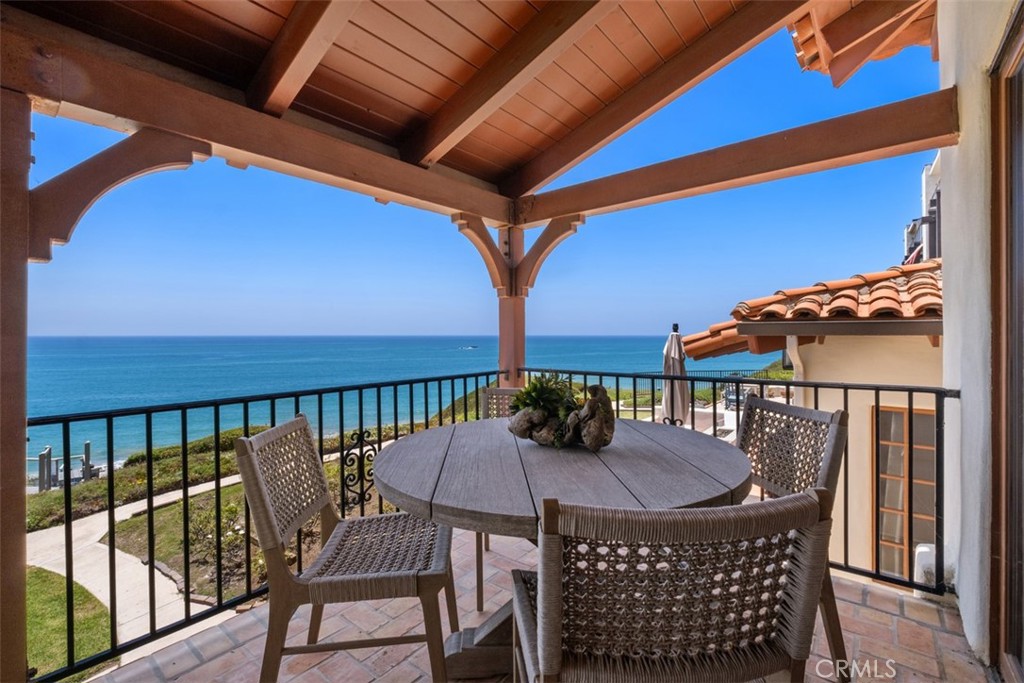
(47, 625)
(132, 537)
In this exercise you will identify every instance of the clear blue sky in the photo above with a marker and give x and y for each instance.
(215, 250)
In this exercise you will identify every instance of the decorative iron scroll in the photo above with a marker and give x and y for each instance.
(358, 471)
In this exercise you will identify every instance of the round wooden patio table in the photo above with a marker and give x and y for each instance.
(478, 476)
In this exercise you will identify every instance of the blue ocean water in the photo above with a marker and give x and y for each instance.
(82, 374)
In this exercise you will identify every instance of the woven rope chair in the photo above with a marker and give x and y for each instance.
(495, 404)
(367, 558)
(793, 449)
(700, 594)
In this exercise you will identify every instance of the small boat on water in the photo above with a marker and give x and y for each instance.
(468, 348)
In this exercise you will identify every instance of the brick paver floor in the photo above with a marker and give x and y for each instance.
(889, 634)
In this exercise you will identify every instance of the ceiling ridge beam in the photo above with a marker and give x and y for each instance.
(845, 64)
(300, 45)
(854, 26)
(751, 24)
(553, 30)
(913, 125)
(85, 84)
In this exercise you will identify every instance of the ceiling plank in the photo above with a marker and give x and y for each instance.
(748, 26)
(860, 22)
(848, 62)
(307, 35)
(82, 79)
(913, 125)
(529, 52)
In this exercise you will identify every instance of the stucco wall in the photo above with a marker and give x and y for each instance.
(911, 361)
(969, 35)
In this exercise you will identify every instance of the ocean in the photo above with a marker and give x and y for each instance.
(82, 374)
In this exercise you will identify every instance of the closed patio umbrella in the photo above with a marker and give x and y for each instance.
(675, 394)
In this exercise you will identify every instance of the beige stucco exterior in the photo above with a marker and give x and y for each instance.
(969, 36)
(892, 360)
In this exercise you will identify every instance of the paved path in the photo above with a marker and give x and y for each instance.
(91, 568)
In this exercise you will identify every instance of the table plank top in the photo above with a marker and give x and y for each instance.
(479, 476)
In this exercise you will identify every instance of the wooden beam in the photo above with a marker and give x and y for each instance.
(852, 27)
(555, 28)
(15, 160)
(848, 62)
(60, 202)
(920, 123)
(83, 82)
(525, 274)
(307, 35)
(751, 24)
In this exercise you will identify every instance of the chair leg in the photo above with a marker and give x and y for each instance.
(479, 572)
(435, 645)
(796, 670)
(487, 542)
(449, 596)
(516, 675)
(316, 615)
(833, 629)
(277, 632)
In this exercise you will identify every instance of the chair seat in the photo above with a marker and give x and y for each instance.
(742, 664)
(381, 556)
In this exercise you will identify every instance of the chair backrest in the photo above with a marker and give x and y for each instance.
(792, 448)
(496, 401)
(284, 480)
(700, 582)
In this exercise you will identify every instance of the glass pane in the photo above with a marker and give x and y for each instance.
(890, 426)
(890, 560)
(892, 493)
(924, 499)
(924, 464)
(892, 527)
(924, 530)
(890, 460)
(924, 429)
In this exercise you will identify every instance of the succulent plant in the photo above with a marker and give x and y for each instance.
(546, 401)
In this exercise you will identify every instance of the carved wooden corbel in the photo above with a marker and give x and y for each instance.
(57, 205)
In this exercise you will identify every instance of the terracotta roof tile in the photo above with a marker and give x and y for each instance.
(902, 292)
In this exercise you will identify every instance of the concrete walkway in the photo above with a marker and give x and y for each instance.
(91, 569)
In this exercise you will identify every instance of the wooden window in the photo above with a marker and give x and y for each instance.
(905, 486)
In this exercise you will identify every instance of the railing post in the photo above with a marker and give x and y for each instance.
(45, 458)
(87, 462)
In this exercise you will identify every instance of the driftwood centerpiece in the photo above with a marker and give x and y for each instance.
(548, 412)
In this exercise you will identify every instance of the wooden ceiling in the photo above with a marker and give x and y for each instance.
(508, 92)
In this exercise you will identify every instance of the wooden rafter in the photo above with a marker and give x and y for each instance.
(530, 51)
(62, 76)
(748, 26)
(846, 63)
(863, 20)
(303, 41)
(913, 125)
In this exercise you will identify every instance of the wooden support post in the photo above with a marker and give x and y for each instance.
(513, 273)
(511, 313)
(15, 158)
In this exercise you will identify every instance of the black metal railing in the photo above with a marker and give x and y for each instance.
(905, 511)
(155, 458)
